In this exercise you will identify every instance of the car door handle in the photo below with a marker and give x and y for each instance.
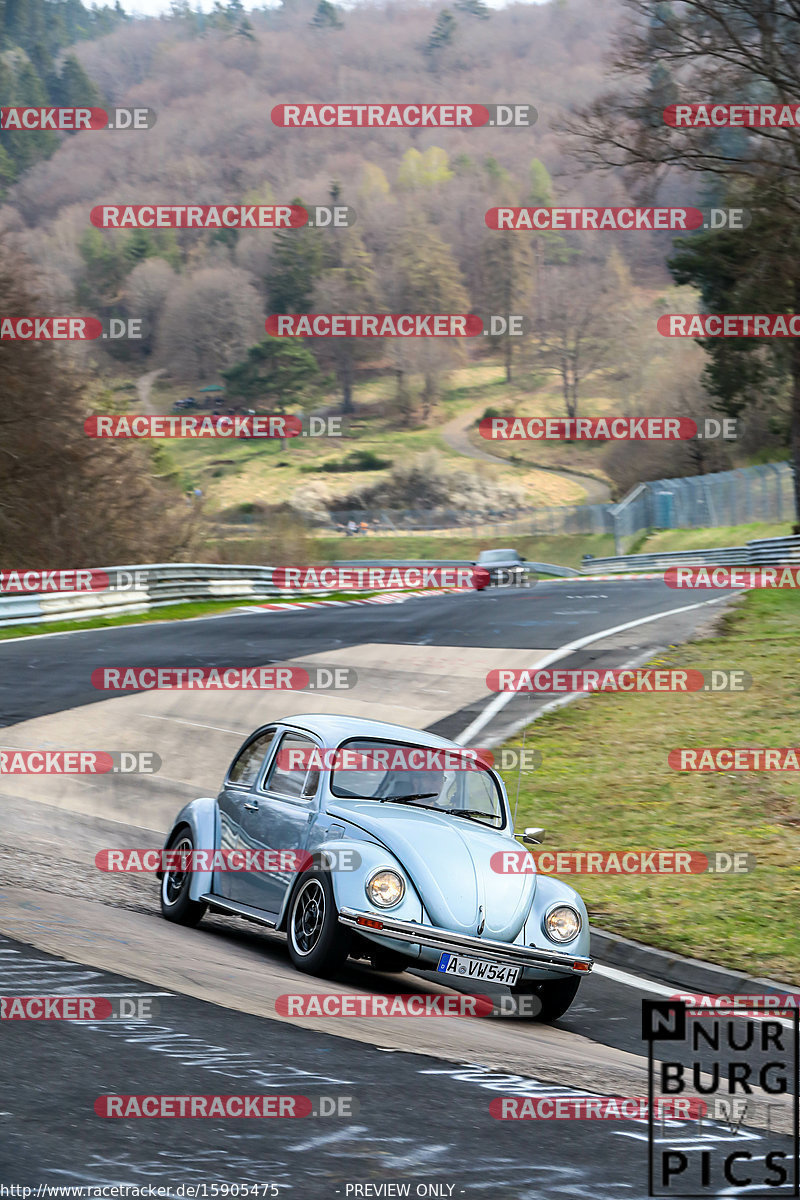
(252, 807)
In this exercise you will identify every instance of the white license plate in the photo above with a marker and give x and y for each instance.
(476, 968)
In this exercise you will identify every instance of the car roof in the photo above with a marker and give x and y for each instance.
(334, 728)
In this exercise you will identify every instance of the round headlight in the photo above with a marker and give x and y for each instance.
(562, 923)
(385, 889)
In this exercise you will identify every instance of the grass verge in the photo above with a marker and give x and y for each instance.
(564, 550)
(722, 535)
(605, 785)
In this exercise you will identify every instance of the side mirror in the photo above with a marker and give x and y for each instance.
(533, 837)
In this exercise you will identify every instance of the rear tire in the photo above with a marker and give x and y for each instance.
(554, 995)
(318, 944)
(176, 904)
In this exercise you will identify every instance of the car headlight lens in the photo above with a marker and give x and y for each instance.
(562, 923)
(385, 889)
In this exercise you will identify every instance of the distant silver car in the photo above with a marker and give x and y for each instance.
(421, 842)
(497, 567)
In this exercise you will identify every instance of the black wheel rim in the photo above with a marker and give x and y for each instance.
(308, 917)
(174, 882)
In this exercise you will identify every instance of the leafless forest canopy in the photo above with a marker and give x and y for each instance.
(420, 242)
(214, 141)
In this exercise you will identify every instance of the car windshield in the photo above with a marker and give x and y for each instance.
(490, 556)
(419, 776)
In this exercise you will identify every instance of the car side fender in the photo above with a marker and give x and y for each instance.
(348, 885)
(202, 817)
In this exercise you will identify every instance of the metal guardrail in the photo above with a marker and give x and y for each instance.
(140, 587)
(137, 588)
(762, 551)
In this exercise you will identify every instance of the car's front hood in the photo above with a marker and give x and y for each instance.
(448, 860)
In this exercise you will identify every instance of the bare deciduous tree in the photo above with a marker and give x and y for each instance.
(579, 322)
(209, 319)
(67, 499)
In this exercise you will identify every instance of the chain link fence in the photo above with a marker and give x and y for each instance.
(763, 493)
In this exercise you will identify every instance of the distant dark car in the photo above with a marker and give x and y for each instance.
(498, 567)
(187, 402)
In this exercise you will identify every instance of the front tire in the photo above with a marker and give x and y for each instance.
(318, 944)
(554, 996)
(176, 903)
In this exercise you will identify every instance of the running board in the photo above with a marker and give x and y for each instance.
(233, 908)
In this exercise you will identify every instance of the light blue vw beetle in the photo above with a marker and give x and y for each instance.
(399, 864)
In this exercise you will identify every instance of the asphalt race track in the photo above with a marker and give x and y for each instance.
(419, 1089)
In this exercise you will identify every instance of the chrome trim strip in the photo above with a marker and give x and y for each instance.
(238, 910)
(446, 939)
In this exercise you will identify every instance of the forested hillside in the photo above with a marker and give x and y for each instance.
(38, 66)
(419, 195)
(419, 243)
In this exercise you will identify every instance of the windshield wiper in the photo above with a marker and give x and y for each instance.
(345, 795)
(409, 799)
(472, 812)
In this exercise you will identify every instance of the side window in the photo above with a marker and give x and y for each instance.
(244, 771)
(290, 774)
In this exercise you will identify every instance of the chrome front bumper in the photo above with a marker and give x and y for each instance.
(432, 936)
